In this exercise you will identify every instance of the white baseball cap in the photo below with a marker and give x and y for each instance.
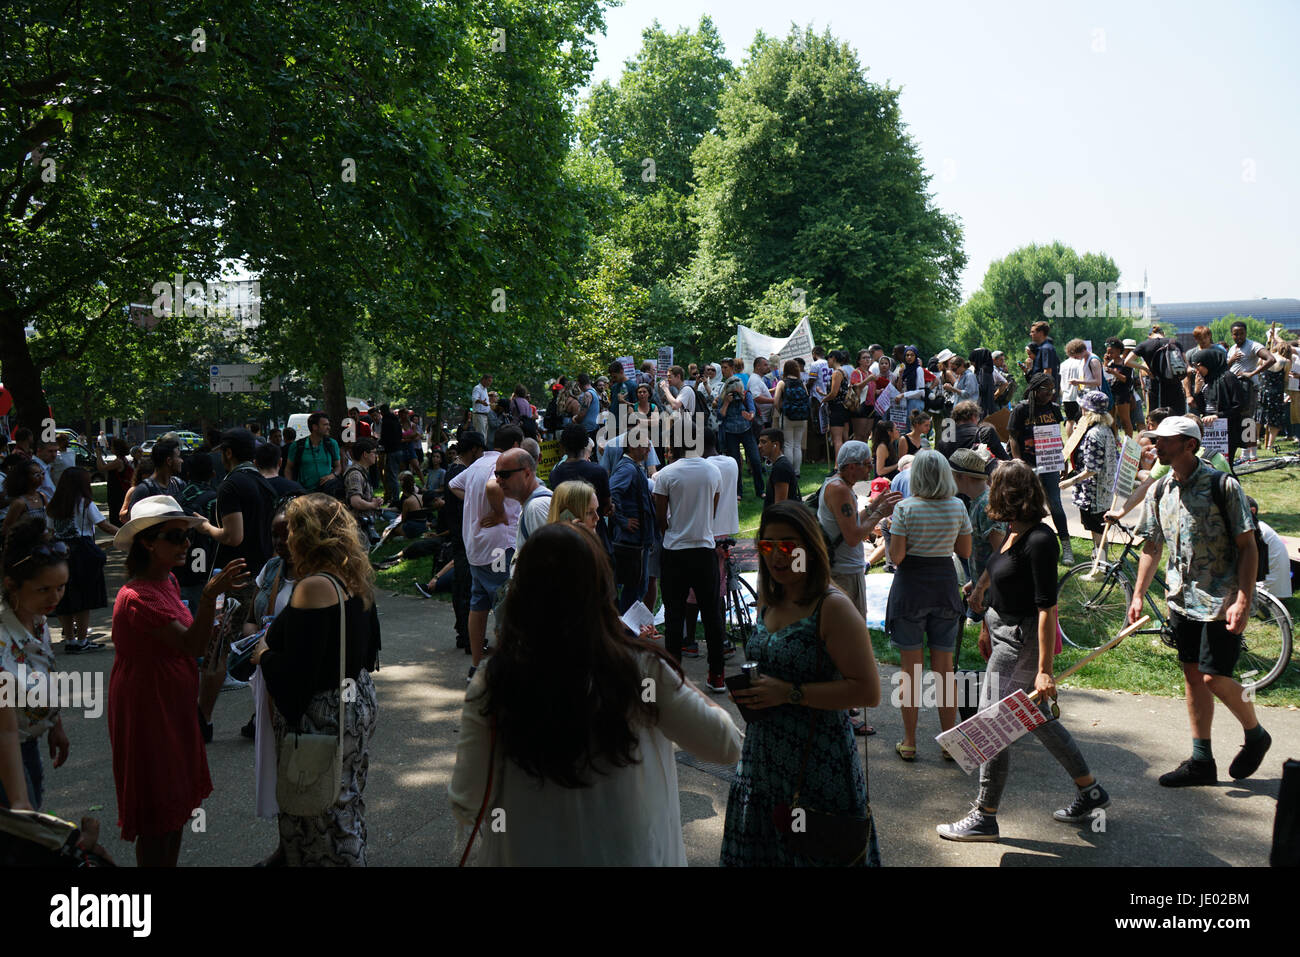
(1175, 425)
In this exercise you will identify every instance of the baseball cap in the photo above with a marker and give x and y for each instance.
(241, 442)
(1175, 425)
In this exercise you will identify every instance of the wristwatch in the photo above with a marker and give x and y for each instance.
(796, 693)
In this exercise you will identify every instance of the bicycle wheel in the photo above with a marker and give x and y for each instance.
(1092, 610)
(740, 616)
(1265, 644)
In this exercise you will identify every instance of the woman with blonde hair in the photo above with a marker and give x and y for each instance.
(299, 658)
(575, 501)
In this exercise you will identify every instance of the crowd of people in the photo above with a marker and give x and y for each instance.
(241, 556)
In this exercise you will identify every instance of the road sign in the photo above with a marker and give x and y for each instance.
(239, 378)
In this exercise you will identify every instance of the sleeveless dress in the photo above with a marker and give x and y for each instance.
(768, 772)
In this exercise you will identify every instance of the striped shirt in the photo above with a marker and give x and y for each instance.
(930, 525)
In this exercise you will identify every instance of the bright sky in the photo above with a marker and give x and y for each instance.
(1166, 135)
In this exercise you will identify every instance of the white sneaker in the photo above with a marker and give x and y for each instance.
(233, 684)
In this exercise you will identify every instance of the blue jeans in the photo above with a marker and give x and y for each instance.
(1052, 486)
(32, 772)
(734, 442)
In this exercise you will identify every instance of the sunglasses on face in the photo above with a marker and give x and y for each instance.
(502, 476)
(176, 536)
(785, 546)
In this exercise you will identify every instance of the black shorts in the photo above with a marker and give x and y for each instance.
(1093, 521)
(1207, 644)
(838, 414)
(1071, 410)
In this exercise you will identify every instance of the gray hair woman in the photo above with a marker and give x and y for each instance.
(924, 599)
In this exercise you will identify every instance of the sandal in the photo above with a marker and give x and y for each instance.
(860, 727)
(904, 752)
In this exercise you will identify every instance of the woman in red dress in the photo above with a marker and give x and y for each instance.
(160, 766)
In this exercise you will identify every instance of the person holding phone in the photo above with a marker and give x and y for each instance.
(815, 662)
(160, 767)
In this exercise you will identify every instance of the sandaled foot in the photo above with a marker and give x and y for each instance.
(905, 752)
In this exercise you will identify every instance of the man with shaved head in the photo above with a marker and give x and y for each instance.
(516, 474)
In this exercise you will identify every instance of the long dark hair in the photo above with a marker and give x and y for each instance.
(880, 436)
(24, 556)
(564, 688)
(18, 478)
(72, 493)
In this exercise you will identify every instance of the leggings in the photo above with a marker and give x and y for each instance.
(1052, 486)
(1013, 666)
(794, 431)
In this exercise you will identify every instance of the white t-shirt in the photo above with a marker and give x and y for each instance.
(820, 382)
(726, 518)
(1279, 566)
(482, 543)
(85, 518)
(1070, 369)
(533, 514)
(1243, 358)
(62, 460)
(687, 398)
(689, 484)
(479, 398)
(758, 389)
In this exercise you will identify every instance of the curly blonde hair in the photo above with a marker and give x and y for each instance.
(323, 538)
(572, 497)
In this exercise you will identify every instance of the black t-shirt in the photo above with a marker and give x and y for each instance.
(284, 486)
(1023, 430)
(1022, 579)
(782, 471)
(1122, 385)
(245, 491)
(582, 470)
(971, 434)
(1165, 392)
(390, 433)
(453, 508)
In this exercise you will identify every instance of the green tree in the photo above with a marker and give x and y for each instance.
(1074, 294)
(811, 173)
(1221, 328)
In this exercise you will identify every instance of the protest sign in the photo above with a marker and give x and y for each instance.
(1215, 437)
(751, 344)
(1049, 451)
(628, 366)
(898, 415)
(665, 362)
(885, 400)
(1130, 456)
(551, 453)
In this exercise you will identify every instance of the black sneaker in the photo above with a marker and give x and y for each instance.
(692, 650)
(1190, 774)
(250, 730)
(975, 826)
(470, 677)
(1089, 799)
(1249, 757)
(204, 726)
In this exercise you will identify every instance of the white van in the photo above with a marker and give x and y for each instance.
(298, 422)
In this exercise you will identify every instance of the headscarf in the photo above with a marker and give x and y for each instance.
(911, 374)
(982, 362)
(1221, 389)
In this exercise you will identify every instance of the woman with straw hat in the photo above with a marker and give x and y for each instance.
(159, 763)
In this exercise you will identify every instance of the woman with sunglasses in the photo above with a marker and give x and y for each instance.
(815, 662)
(159, 763)
(74, 516)
(35, 573)
(23, 494)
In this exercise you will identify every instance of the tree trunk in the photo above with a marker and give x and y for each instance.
(336, 400)
(21, 376)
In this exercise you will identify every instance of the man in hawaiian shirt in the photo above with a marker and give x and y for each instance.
(1211, 581)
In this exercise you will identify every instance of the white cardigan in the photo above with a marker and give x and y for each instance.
(630, 816)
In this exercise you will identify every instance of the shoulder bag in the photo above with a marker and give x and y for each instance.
(309, 768)
(837, 839)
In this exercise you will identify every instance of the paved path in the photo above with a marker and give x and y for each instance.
(1129, 739)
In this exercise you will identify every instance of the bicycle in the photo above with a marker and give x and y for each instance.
(739, 598)
(1093, 605)
(1263, 465)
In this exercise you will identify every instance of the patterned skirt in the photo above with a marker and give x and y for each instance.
(337, 837)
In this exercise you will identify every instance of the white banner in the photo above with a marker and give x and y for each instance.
(751, 344)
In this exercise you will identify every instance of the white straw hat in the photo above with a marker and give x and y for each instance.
(154, 510)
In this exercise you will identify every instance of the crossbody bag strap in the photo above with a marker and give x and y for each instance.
(343, 650)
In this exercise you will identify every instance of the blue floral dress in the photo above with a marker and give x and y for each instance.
(769, 764)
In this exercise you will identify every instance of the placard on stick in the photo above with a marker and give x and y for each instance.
(1049, 450)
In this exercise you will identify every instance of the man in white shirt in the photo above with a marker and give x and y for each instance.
(686, 496)
(757, 387)
(65, 458)
(490, 548)
(726, 519)
(45, 457)
(1247, 359)
(516, 475)
(479, 405)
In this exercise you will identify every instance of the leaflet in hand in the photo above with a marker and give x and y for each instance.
(637, 617)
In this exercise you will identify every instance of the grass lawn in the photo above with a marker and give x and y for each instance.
(1278, 494)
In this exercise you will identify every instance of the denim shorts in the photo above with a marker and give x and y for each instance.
(486, 583)
(939, 630)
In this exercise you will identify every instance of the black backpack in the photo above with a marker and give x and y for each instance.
(794, 401)
(551, 418)
(1219, 492)
(1170, 363)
